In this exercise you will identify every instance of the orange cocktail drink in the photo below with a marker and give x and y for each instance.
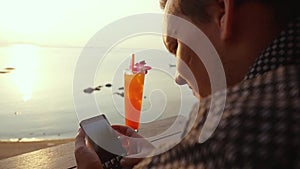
(133, 94)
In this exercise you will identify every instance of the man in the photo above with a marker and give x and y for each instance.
(258, 42)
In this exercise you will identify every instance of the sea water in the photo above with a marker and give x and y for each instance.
(36, 96)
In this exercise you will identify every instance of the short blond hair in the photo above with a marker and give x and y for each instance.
(283, 9)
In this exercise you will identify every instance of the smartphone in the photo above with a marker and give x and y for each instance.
(104, 140)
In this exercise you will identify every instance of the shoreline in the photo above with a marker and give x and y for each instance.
(14, 148)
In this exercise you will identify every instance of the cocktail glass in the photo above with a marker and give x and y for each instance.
(133, 97)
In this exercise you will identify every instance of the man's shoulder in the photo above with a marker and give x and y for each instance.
(280, 86)
(257, 113)
(268, 98)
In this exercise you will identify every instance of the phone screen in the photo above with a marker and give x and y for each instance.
(104, 138)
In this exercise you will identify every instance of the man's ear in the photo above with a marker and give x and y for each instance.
(226, 18)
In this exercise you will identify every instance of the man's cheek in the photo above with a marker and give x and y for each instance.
(186, 73)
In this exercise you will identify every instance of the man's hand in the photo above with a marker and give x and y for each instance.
(86, 157)
(135, 145)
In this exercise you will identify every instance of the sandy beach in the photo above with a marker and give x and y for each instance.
(10, 149)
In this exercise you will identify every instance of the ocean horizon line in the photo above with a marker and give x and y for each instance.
(66, 46)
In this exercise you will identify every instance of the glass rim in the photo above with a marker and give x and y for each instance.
(129, 71)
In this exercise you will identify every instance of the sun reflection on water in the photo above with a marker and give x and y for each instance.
(24, 59)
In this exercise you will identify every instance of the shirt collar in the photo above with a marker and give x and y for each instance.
(284, 50)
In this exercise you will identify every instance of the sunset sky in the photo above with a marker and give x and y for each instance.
(29, 25)
(63, 22)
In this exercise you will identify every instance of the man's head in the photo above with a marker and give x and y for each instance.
(197, 9)
(238, 29)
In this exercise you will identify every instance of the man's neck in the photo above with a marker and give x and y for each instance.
(255, 29)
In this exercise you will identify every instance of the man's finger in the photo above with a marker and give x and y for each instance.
(80, 139)
(127, 131)
(124, 141)
(129, 162)
(122, 129)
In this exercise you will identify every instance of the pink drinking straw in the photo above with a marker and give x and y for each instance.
(132, 62)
